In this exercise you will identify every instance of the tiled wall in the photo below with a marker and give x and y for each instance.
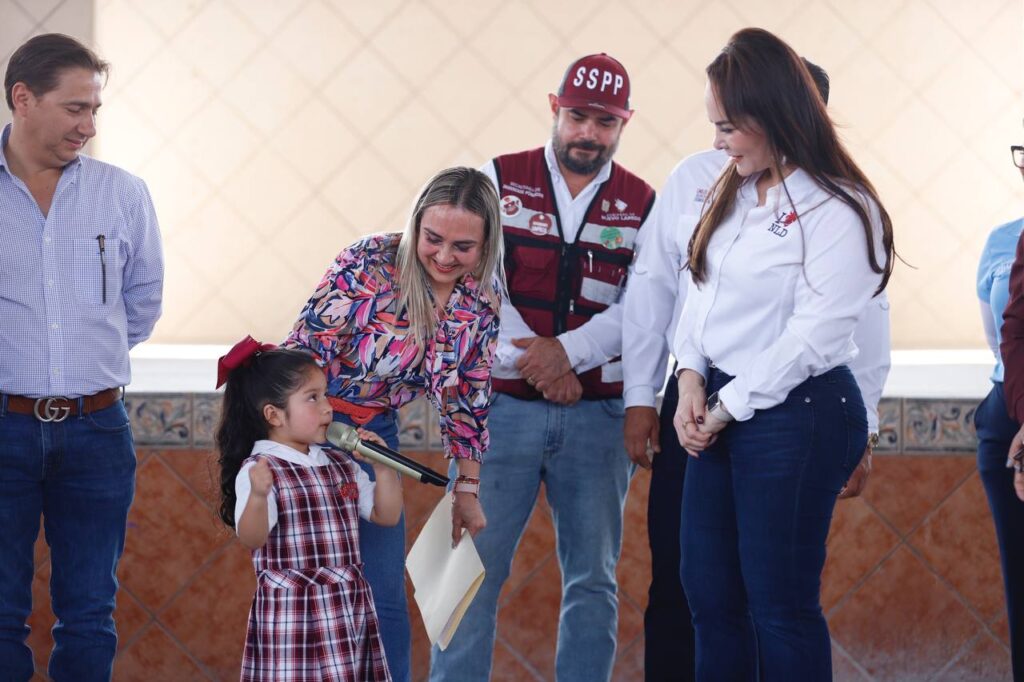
(273, 132)
(911, 589)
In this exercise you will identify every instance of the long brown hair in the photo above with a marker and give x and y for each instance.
(759, 80)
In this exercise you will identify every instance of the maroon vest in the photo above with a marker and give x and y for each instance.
(557, 286)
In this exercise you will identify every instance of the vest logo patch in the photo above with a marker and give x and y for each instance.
(349, 491)
(781, 223)
(540, 224)
(511, 205)
(606, 205)
(620, 205)
(611, 238)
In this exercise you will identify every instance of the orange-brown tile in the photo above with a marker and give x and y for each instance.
(857, 542)
(41, 619)
(170, 536)
(903, 622)
(988, 659)
(507, 667)
(129, 618)
(904, 488)
(959, 540)
(634, 570)
(629, 663)
(1001, 627)
(528, 621)
(843, 669)
(209, 616)
(155, 657)
(199, 470)
(41, 551)
(631, 622)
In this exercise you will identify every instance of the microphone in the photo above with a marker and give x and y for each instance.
(347, 438)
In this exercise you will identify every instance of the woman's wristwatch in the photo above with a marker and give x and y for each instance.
(716, 408)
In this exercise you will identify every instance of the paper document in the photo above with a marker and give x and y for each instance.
(445, 580)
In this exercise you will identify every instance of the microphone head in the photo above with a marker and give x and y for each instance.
(343, 436)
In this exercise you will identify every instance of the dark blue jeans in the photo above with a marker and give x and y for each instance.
(757, 506)
(995, 431)
(383, 552)
(668, 632)
(80, 476)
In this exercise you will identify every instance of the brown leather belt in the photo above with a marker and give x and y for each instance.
(57, 409)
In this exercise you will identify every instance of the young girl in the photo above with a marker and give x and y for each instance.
(296, 505)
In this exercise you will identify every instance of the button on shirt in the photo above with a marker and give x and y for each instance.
(597, 341)
(57, 335)
(786, 285)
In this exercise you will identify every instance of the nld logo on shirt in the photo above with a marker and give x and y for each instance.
(781, 223)
(590, 79)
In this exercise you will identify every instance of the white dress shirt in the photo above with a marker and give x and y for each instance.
(782, 296)
(598, 340)
(316, 458)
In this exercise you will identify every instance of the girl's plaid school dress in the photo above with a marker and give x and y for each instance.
(313, 618)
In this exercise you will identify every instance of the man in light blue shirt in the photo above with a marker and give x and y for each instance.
(81, 277)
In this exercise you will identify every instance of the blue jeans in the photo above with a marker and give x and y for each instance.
(757, 506)
(80, 476)
(668, 632)
(995, 431)
(577, 452)
(383, 552)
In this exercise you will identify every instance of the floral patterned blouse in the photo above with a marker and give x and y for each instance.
(352, 325)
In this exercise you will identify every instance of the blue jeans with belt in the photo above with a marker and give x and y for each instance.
(577, 452)
(757, 506)
(79, 475)
(995, 431)
(383, 552)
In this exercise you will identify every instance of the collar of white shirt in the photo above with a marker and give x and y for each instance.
(316, 457)
(798, 184)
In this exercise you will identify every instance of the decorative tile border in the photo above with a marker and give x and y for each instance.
(160, 418)
(935, 424)
(189, 419)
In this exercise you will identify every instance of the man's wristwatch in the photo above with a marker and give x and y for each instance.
(873, 439)
(716, 408)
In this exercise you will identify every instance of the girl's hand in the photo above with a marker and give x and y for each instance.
(690, 416)
(466, 514)
(368, 437)
(261, 478)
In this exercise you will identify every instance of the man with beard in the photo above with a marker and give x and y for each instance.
(571, 219)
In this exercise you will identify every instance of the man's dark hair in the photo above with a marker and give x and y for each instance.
(820, 76)
(39, 62)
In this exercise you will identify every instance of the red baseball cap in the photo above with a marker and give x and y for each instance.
(596, 81)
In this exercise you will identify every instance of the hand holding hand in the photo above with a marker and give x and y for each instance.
(565, 390)
(543, 360)
(690, 413)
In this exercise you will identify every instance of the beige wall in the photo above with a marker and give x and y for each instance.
(273, 132)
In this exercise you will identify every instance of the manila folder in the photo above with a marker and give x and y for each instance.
(445, 579)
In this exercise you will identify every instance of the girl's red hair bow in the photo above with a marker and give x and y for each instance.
(240, 355)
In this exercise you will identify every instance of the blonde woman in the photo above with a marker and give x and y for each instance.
(398, 316)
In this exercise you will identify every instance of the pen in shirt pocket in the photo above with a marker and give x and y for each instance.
(101, 239)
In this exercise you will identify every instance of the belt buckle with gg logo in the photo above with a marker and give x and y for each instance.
(46, 410)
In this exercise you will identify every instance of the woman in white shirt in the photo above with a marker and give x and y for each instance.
(790, 249)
